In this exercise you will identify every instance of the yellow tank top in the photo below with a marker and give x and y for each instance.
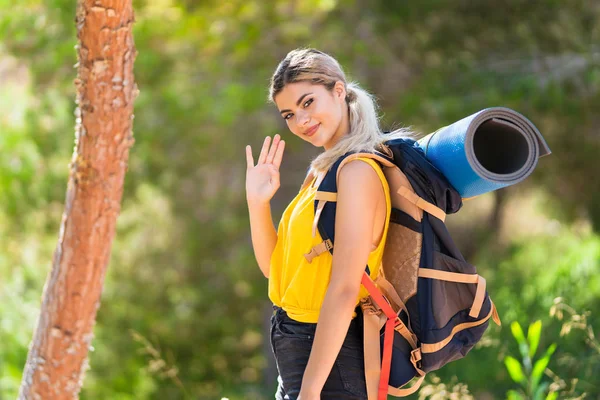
(296, 285)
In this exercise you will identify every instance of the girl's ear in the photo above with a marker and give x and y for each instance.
(340, 90)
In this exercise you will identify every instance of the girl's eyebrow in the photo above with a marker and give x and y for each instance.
(297, 103)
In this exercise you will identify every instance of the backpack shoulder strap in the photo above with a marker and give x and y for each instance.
(405, 191)
(375, 156)
(325, 199)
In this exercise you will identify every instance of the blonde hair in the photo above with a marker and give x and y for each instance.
(316, 67)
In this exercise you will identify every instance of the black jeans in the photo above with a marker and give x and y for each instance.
(291, 342)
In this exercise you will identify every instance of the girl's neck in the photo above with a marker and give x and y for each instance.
(343, 130)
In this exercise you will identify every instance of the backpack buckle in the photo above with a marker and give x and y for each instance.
(387, 151)
(318, 250)
(415, 358)
(402, 329)
(368, 306)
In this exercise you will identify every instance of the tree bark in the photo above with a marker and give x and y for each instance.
(106, 91)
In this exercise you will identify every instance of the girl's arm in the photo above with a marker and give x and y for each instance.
(262, 181)
(264, 235)
(359, 192)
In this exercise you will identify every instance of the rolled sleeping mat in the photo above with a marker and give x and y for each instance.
(491, 149)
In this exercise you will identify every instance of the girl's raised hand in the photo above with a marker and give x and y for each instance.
(262, 179)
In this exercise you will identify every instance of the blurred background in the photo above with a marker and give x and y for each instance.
(185, 311)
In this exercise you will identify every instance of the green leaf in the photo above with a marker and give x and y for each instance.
(538, 393)
(514, 395)
(518, 334)
(514, 369)
(540, 366)
(533, 337)
(552, 396)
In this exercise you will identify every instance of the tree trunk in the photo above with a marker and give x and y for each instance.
(106, 91)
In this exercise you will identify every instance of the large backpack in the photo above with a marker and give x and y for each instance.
(427, 306)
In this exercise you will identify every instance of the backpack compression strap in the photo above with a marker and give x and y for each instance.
(460, 278)
(422, 203)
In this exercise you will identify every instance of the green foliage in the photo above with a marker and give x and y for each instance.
(183, 277)
(522, 372)
(579, 376)
(435, 389)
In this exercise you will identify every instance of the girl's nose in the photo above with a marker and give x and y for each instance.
(303, 118)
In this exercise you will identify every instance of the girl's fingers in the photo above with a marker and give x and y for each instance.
(273, 148)
(249, 158)
(279, 154)
(265, 149)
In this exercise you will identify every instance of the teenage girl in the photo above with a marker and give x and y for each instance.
(316, 331)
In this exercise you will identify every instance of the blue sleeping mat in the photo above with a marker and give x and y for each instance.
(491, 149)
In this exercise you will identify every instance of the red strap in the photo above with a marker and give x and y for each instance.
(378, 297)
(386, 361)
(388, 338)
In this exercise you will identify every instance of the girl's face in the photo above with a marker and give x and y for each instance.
(314, 113)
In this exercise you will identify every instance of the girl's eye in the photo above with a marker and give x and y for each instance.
(306, 104)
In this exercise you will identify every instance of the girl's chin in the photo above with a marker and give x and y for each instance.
(316, 139)
(319, 142)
